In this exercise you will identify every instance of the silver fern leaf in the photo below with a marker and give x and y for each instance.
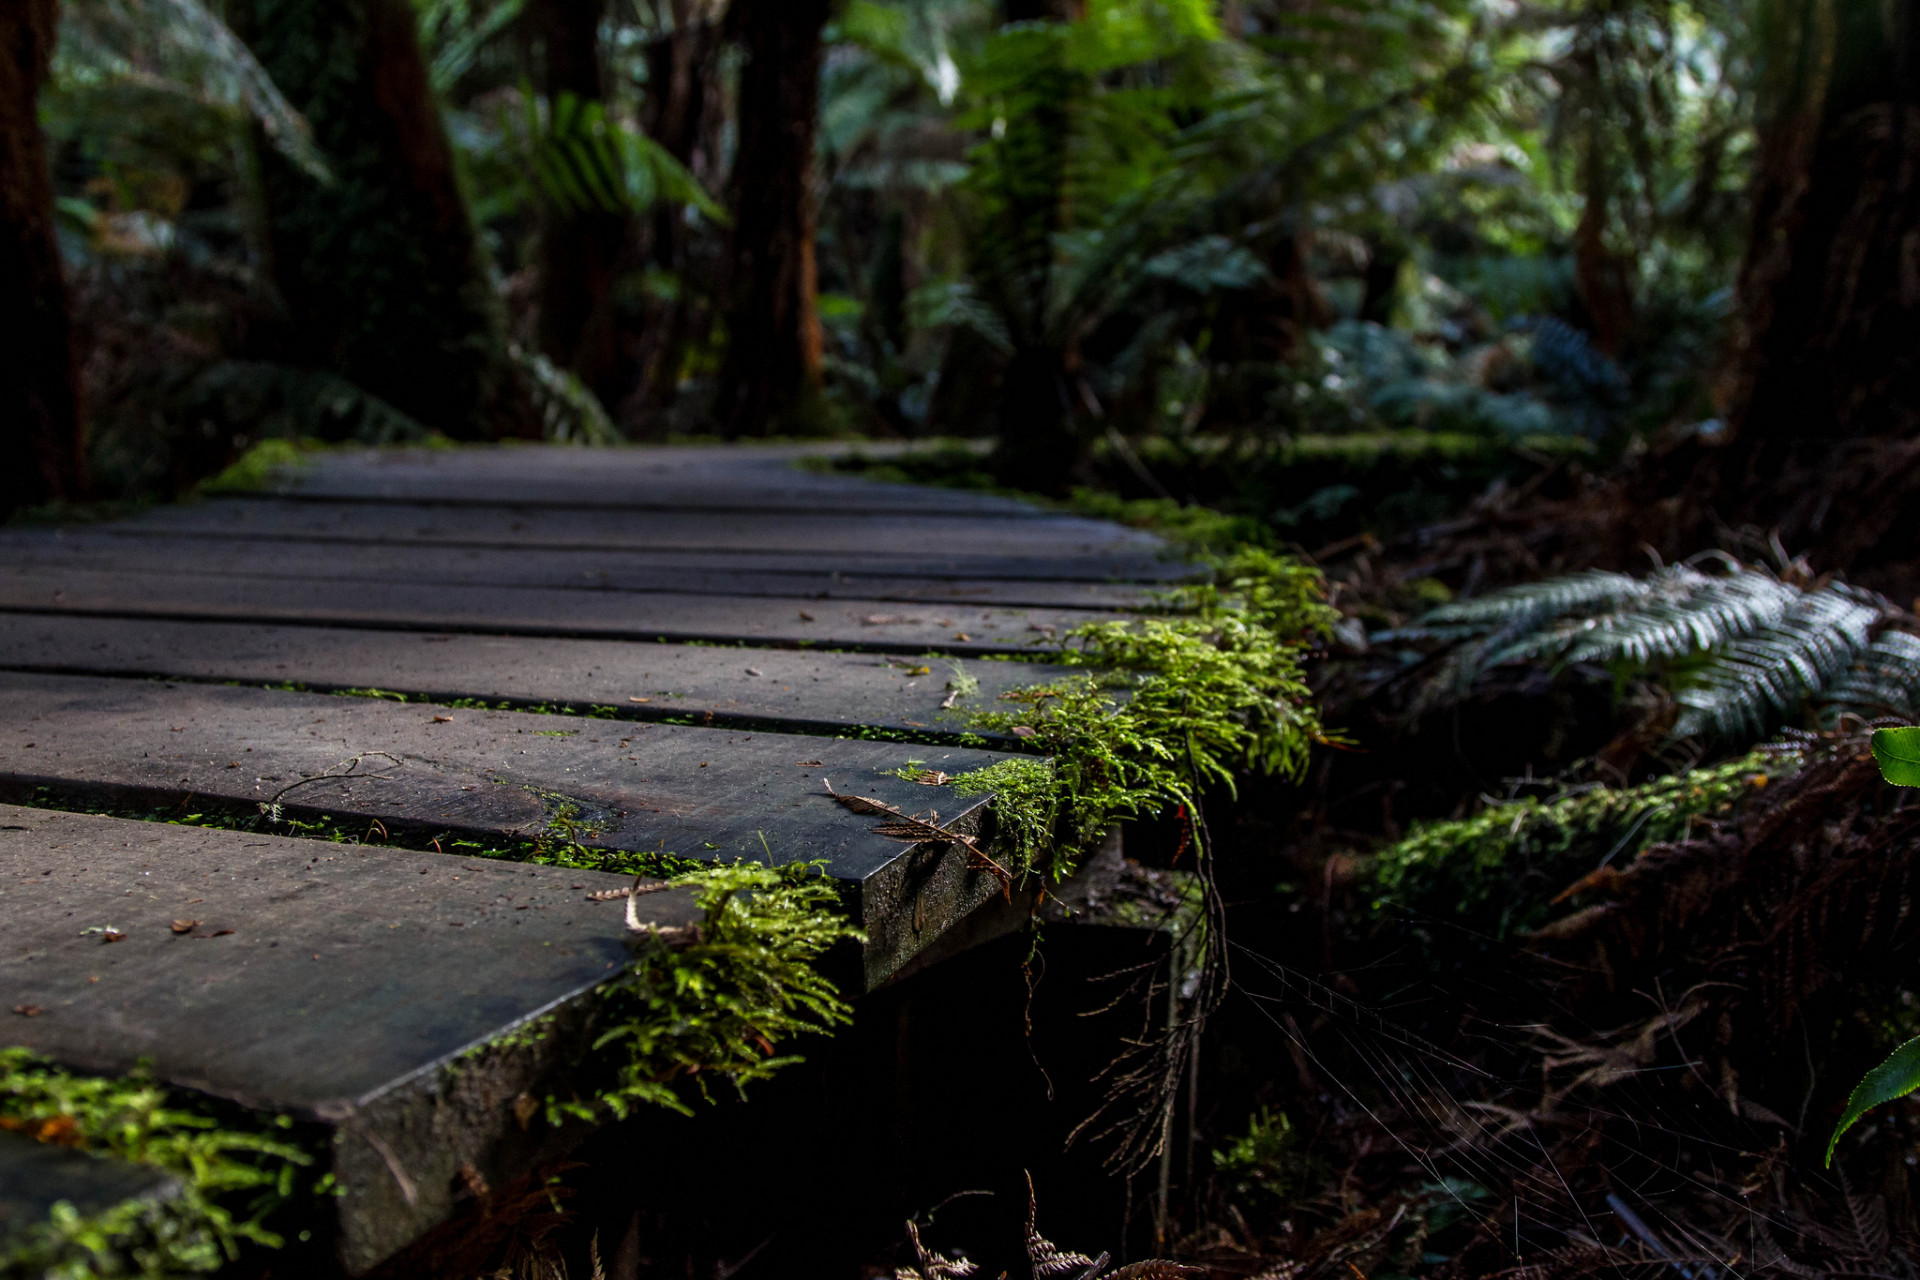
(1742, 650)
(1883, 682)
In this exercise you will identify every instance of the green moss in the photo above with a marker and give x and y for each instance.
(718, 1007)
(254, 470)
(1171, 706)
(231, 1179)
(1496, 874)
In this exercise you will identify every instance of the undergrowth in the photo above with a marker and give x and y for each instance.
(230, 1180)
(1498, 874)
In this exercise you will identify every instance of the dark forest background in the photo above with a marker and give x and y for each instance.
(1574, 341)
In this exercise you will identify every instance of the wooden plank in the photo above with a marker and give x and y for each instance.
(795, 690)
(502, 775)
(876, 626)
(85, 548)
(1106, 550)
(337, 983)
(36, 1176)
(735, 477)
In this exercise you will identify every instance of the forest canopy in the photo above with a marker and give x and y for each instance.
(1131, 233)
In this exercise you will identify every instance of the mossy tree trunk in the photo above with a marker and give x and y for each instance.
(581, 250)
(379, 269)
(39, 382)
(770, 382)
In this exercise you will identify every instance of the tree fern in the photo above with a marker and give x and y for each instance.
(179, 46)
(1742, 650)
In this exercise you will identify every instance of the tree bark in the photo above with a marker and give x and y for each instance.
(1825, 373)
(39, 380)
(580, 250)
(379, 269)
(678, 115)
(770, 381)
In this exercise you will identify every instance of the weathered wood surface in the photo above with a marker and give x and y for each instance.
(745, 477)
(694, 573)
(36, 1176)
(702, 793)
(522, 575)
(874, 625)
(793, 690)
(1099, 551)
(336, 983)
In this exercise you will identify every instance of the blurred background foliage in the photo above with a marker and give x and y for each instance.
(1178, 246)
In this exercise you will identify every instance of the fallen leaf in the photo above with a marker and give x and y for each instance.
(185, 926)
(922, 831)
(809, 764)
(1024, 731)
(639, 699)
(931, 778)
(220, 933)
(753, 671)
(27, 1010)
(886, 620)
(111, 935)
(1044, 628)
(961, 635)
(443, 719)
(524, 1109)
(805, 616)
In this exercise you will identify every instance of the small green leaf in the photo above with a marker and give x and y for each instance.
(1898, 751)
(1898, 1076)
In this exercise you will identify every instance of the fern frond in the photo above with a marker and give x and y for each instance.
(180, 46)
(1883, 681)
(1743, 651)
(1752, 683)
(569, 413)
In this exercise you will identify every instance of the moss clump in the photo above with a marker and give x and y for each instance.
(718, 1006)
(1497, 873)
(1176, 704)
(231, 1180)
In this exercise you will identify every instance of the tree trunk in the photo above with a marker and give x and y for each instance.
(1826, 371)
(770, 382)
(1040, 445)
(680, 93)
(39, 382)
(379, 269)
(580, 250)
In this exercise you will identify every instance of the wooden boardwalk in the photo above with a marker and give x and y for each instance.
(737, 632)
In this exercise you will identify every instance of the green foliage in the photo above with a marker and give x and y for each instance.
(179, 47)
(582, 159)
(230, 1179)
(1269, 1158)
(1895, 1078)
(1743, 650)
(720, 1006)
(1898, 753)
(1497, 874)
(1176, 704)
(569, 413)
